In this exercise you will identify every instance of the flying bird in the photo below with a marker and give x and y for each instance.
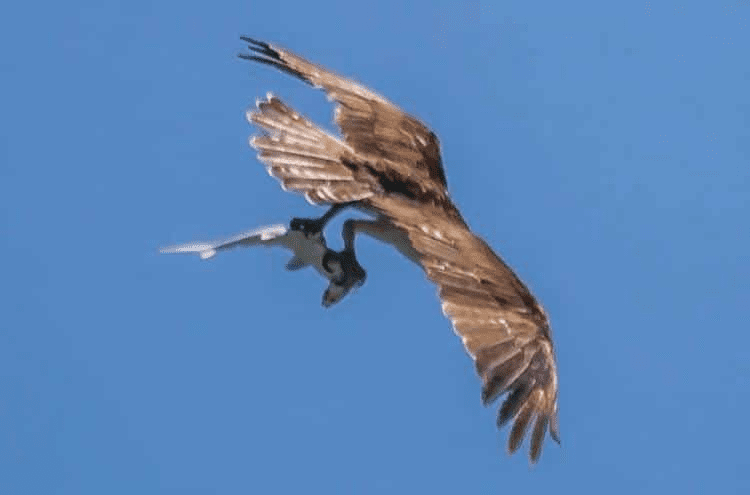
(387, 163)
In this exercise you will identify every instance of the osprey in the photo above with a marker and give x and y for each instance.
(387, 164)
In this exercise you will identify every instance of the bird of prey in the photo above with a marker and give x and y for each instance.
(387, 163)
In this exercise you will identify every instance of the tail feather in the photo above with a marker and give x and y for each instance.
(304, 158)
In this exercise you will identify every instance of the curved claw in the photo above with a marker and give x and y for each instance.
(347, 274)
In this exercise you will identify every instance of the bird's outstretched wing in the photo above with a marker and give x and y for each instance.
(501, 324)
(390, 163)
(305, 158)
(396, 146)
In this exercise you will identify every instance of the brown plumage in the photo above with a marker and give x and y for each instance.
(388, 163)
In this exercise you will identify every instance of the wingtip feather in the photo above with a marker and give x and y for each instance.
(537, 438)
(253, 41)
(518, 432)
(554, 429)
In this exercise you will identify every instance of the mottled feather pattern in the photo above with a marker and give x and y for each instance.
(390, 141)
(500, 324)
(390, 162)
(302, 156)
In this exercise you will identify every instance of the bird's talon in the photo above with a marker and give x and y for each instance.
(326, 262)
(349, 275)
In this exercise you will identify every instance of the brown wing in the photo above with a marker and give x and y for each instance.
(305, 158)
(501, 324)
(404, 152)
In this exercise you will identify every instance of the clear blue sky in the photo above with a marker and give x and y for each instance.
(602, 150)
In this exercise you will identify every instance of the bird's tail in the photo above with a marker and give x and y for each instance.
(304, 158)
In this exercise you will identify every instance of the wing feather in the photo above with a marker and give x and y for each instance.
(521, 423)
(500, 323)
(305, 158)
(537, 436)
(388, 139)
(391, 162)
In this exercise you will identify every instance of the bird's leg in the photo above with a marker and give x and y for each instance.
(349, 274)
(314, 226)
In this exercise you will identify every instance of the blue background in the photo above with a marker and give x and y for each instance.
(602, 150)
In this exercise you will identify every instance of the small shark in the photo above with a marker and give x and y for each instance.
(308, 248)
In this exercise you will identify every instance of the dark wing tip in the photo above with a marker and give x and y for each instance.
(261, 51)
(275, 64)
(537, 437)
(253, 41)
(264, 53)
(520, 426)
(512, 404)
(261, 47)
(554, 429)
(527, 404)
